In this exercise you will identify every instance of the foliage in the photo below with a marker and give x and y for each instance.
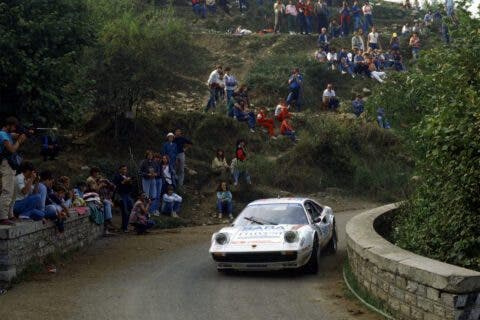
(41, 45)
(442, 220)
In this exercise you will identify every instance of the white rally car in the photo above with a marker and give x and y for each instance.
(272, 234)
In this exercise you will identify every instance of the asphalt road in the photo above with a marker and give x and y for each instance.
(170, 275)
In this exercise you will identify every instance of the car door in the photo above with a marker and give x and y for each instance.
(325, 223)
(315, 218)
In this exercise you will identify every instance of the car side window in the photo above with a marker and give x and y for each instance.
(312, 211)
(319, 209)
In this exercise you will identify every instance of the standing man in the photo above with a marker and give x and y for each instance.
(301, 17)
(231, 83)
(357, 41)
(321, 12)
(278, 11)
(373, 41)
(309, 12)
(182, 144)
(357, 16)
(295, 84)
(170, 149)
(367, 12)
(213, 83)
(124, 185)
(7, 148)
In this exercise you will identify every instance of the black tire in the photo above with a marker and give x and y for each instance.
(312, 265)
(331, 247)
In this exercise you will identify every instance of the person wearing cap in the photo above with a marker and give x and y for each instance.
(182, 145)
(170, 149)
(395, 42)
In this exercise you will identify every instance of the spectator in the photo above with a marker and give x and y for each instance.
(309, 16)
(428, 18)
(449, 7)
(230, 83)
(335, 30)
(332, 58)
(286, 129)
(374, 73)
(104, 188)
(171, 202)
(220, 165)
(291, 12)
(281, 111)
(211, 7)
(224, 201)
(344, 63)
(155, 201)
(50, 146)
(414, 43)
(301, 17)
(321, 11)
(295, 86)
(225, 6)
(445, 33)
(168, 174)
(381, 120)
(51, 200)
(139, 215)
(323, 41)
(329, 98)
(220, 89)
(357, 16)
(373, 39)
(64, 182)
(345, 18)
(148, 172)
(93, 179)
(80, 189)
(199, 9)
(394, 42)
(278, 11)
(368, 14)
(231, 104)
(124, 188)
(398, 61)
(28, 202)
(239, 163)
(243, 95)
(360, 65)
(170, 149)
(358, 106)
(406, 30)
(357, 41)
(243, 114)
(266, 122)
(182, 144)
(8, 148)
(213, 84)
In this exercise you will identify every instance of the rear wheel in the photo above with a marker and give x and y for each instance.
(312, 265)
(331, 247)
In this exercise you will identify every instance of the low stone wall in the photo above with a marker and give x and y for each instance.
(410, 286)
(29, 241)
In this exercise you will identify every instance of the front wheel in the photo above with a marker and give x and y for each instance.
(331, 247)
(312, 265)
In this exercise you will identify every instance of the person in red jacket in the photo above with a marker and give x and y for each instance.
(267, 123)
(309, 12)
(282, 112)
(286, 129)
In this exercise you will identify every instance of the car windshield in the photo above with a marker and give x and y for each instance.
(271, 214)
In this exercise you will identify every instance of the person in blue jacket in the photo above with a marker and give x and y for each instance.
(170, 148)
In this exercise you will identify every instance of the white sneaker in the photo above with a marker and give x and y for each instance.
(23, 217)
(252, 131)
(156, 213)
(230, 216)
(174, 215)
(274, 137)
(344, 72)
(219, 216)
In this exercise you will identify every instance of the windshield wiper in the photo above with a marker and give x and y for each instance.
(257, 221)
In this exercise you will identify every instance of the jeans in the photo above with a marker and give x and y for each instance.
(212, 9)
(29, 207)
(249, 117)
(6, 193)
(149, 187)
(225, 207)
(199, 10)
(291, 135)
(141, 228)
(243, 5)
(357, 23)
(237, 173)
(415, 52)
(180, 168)
(383, 123)
(212, 103)
(368, 23)
(308, 24)
(295, 95)
(373, 45)
(107, 209)
(127, 205)
(230, 93)
(345, 68)
(345, 21)
(291, 23)
(170, 207)
(302, 22)
(322, 22)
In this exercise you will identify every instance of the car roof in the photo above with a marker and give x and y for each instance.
(279, 200)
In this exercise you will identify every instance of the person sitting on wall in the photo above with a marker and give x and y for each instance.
(224, 201)
(171, 203)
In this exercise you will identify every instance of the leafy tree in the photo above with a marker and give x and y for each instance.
(440, 101)
(41, 44)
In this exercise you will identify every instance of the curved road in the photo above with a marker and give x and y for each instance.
(169, 275)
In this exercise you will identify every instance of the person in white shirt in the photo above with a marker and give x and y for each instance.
(171, 202)
(329, 98)
(367, 12)
(373, 38)
(28, 202)
(332, 58)
(231, 83)
(278, 11)
(213, 84)
(406, 30)
(291, 12)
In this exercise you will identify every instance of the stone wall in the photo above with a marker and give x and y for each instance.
(31, 241)
(409, 285)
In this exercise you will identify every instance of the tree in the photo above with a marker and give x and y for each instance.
(41, 44)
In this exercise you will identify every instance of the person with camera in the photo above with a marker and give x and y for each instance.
(28, 201)
(295, 84)
(213, 84)
(10, 142)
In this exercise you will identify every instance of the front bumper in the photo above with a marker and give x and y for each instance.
(257, 261)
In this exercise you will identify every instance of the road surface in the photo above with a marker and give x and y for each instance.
(169, 275)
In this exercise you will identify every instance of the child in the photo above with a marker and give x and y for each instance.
(171, 202)
(224, 201)
(267, 123)
(282, 111)
(287, 130)
(139, 216)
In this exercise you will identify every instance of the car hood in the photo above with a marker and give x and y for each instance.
(259, 234)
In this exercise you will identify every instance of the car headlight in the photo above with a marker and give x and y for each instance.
(221, 238)
(291, 236)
